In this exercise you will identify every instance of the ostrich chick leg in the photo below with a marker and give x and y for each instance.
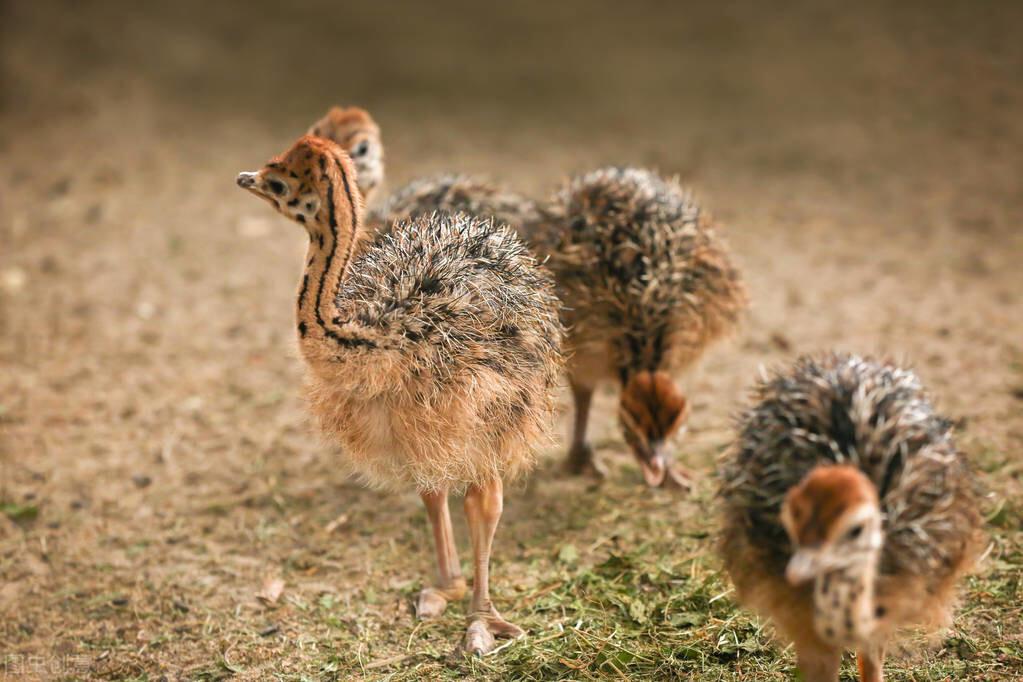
(817, 664)
(871, 664)
(483, 506)
(450, 583)
(580, 456)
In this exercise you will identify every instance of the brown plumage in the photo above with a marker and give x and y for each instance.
(647, 285)
(432, 355)
(358, 134)
(848, 511)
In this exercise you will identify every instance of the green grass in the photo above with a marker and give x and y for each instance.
(19, 512)
(610, 582)
(631, 590)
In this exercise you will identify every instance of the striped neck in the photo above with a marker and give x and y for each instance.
(332, 239)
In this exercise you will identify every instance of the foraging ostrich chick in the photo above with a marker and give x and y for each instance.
(848, 511)
(647, 285)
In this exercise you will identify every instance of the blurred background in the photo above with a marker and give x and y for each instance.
(864, 162)
(535, 88)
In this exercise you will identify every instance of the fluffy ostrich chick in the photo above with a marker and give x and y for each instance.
(848, 511)
(647, 285)
(432, 357)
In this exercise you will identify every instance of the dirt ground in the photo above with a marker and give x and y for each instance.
(156, 465)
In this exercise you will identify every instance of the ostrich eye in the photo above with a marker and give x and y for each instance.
(276, 186)
(854, 532)
(361, 148)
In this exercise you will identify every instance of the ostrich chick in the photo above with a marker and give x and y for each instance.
(848, 512)
(432, 357)
(646, 285)
(359, 135)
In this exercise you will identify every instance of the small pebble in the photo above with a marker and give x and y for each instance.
(192, 404)
(13, 279)
(146, 310)
(60, 188)
(49, 265)
(141, 480)
(780, 342)
(94, 213)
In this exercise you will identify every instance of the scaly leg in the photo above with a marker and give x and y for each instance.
(871, 664)
(580, 456)
(450, 583)
(483, 506)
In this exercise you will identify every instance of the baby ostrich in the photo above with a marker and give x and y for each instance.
(848, 512)
(432, 357)
(647, 285)
(359, 135)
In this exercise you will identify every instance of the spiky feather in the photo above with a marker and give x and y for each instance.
(841, 408)
(462, 343)
(640, 268)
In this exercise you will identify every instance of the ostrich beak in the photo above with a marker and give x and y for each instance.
(247, 180)
(804, 565)
(654, 470)
(660, 470)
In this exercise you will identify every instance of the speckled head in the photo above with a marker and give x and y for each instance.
(833, 519)
(652, 411)
(359, 135)
(309, 183)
